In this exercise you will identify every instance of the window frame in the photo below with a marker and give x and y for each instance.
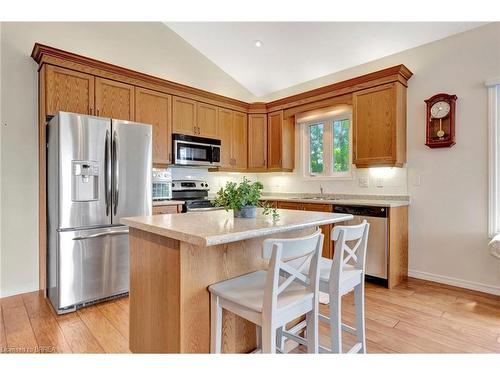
(493, 156)
(328, 147)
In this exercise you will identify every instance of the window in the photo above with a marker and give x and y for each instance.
(494, 156)
(326, 146)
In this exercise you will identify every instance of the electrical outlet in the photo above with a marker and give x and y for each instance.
(379, 182)
(363, 182)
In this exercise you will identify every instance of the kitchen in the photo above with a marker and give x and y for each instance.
(422, 286)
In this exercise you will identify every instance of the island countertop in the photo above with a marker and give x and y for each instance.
(218, 227)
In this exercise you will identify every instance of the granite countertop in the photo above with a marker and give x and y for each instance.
(218, 227)
(362, 200)
(167, 203)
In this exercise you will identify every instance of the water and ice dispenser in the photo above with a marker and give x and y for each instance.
(85, 181)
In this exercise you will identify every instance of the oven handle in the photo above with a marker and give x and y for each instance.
(204, 209)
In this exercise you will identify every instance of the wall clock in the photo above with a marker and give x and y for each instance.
(440, 127)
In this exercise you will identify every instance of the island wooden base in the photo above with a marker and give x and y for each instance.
(169, 300)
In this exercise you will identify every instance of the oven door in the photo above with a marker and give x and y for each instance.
(191, 153)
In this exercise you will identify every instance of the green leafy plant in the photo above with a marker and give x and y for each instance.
(270, 210)
(236, 196)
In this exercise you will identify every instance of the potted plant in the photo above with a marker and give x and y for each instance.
(242, 198)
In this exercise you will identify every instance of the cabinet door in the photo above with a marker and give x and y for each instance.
(374, 125)
(68, 91)
(257, 142)
(290, 205)
(326, 229)
(183, 115)
(114, 99)
(239, 139)
(226, 134)
(274, 146)
(207, 120)
(155, 108)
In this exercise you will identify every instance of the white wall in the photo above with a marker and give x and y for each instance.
(147, 47)
(448, 214)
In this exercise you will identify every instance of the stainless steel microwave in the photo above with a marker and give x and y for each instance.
(196, 151)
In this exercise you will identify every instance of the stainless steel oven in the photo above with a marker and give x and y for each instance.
(196, 151)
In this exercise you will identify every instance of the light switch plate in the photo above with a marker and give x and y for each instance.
(363, 181)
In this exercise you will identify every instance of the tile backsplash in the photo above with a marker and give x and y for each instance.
(388, 181)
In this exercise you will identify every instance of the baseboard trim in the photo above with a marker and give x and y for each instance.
(472, 285)
(20, 290)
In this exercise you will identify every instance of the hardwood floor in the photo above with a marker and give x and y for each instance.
(415, 317)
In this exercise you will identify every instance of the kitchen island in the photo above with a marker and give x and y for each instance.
(174, 258)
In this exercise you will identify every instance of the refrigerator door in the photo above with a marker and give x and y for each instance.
(132, 168)
(83, 163)
(93, 264)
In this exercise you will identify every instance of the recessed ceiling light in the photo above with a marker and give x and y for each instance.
(258, 43)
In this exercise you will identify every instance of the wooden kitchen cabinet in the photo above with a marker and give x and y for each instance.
(326, 229)
(379, 126)
(257, 142)
(280, 142)
(206, 120)
(239, 144)
(233, 136)
(114, 99)
(69, 91)
(155, 108)
(183, 115)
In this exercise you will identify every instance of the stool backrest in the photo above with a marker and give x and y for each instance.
(288, 259)
(357, 235)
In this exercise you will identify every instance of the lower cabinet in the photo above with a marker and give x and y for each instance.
(326, 229)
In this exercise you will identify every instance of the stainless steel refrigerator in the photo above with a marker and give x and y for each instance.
(98, 171)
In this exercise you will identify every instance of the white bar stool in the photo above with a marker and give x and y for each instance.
(337, 278)
(270, 299)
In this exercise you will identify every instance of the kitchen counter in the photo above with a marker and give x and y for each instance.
(339, 201)
(219, 227)
(167, 203)
(173, 260)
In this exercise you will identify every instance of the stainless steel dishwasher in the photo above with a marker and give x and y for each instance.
(376, 252)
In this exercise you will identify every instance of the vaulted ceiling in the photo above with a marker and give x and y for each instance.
(295, 52)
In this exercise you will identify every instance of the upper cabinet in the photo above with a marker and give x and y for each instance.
(114, 99)
(233, 130)
(379, 126)
(240, 134)
(155, 108)
(68, 90)
(184, 116)
(280, 142)
(195, 118)
(207, 120)
(257, 142)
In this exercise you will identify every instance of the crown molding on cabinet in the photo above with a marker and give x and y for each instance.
(44, 54)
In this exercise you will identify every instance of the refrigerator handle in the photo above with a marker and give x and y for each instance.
(107, 173)
(116, 172)
(78, 238)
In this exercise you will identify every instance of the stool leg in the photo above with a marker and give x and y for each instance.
(336, 323)
(268, 338)
(359, 302)
(280, 340)
(258, 336)
(215, 324)
(312, 332)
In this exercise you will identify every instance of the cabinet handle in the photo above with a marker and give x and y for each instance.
(97, 111)
(90, 110)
